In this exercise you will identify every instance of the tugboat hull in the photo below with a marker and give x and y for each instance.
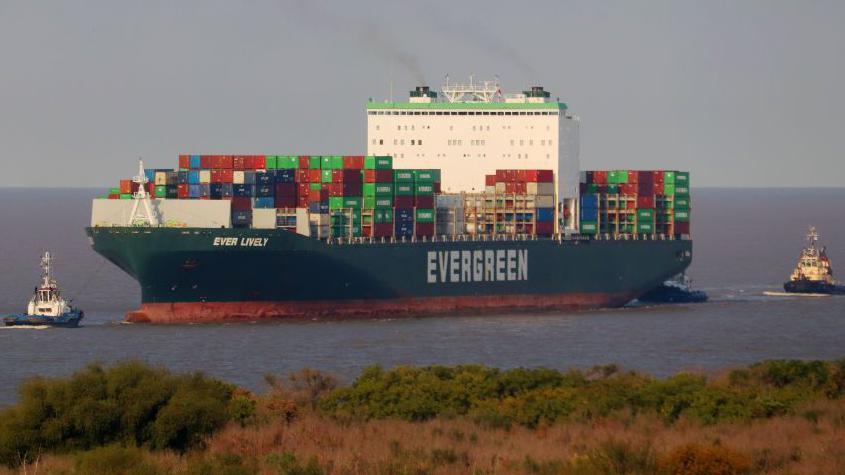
(812, 287)
(69, 320)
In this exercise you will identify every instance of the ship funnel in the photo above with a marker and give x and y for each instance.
(423, 94)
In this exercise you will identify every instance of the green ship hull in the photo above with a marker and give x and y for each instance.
(204, 275)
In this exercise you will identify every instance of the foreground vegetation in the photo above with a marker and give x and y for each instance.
(772, 417)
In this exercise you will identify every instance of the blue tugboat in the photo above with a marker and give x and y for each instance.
(675, 290)
(47, 306)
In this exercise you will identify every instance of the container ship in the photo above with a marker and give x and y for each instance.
(468, 200)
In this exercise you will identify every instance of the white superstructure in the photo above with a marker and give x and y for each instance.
(473, 129)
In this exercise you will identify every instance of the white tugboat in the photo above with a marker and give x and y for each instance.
(47, 306)
(813, 274)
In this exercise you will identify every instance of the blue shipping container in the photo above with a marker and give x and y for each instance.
(182, 178)
(194, 177)
(589, 214)
(545, 214)
(242, 191)
(194, 191)
(241, 218)
(265, 191)
(264, 202)
(195, 161)
(589, 201)
(205, 190)
(226, 190)
(264, 178)
(216, 191)
(150, 174)
(286, 175)
(249, 178)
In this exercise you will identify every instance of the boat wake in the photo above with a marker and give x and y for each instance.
(26, 327)
(792, 294)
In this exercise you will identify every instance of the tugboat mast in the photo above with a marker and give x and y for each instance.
(47, 281)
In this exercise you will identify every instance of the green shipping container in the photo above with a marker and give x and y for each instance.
(645, 228)
(403, 176)
(352, 202)
(287, 162)
(589, 227)
(645, 213)
(326, 163)
(378, 189)
(126, 196)
(668, 190)
(314, 162)
(383, 215)
(326, 176)
(269, 162)
(336, 162)
(669, 178)
(425, 215)
(682, 178)
(682, 215)
(427, 175)
(592, 188)
(114, 191)
(613, 189)
(681, 201)
(378, 162)
(316, 186)
(161, 191)
(681, 190)
(404, 189)
(335, 202)
(423, 189)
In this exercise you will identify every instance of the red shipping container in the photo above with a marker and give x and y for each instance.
(521, 175)
(382, 230)
(644, 176)
(378, 176)
(249, 162)
(239, 162)
(241, 202)
(355, 162)
(302, 176)
(126, 186)
(286, 189)
(600, 177)
(403, 201)
(520, 188)
(435, 187)
(315, 196)
(114, 196)
(645, 202)
(633, 176)
(315, 176)
(304, 162)
(424, 229)
(182, 191)
(302, 201)
(302, 189)
(628, 188)
(682, 228)
(630, 204)
(539, 176)
(424, 201)
(658, 176)
(185, 161)
(286, 201)
(225, 161)
(501, 176)
(335, 189)
(205, 161)
(214, 161)
(215, 176)
(489, 180)
(645, 189)
(259, 162)
(227, 175)
(510, 187)
(545, 228)
(347, 176)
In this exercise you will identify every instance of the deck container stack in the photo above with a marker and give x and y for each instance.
(514, 202)
(345, 196)
(635, 202)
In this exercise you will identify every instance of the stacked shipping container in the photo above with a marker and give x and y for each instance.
(629, 202)
(514, 202)
(344, 195)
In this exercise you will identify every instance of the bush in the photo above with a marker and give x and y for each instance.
(696, 459)
(129, 403)
(618, 457)
(114, 460)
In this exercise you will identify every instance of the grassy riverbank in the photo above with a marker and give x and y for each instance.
(772, 417)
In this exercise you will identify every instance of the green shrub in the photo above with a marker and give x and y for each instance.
(114, 460)
(128, 403)
(287, 464)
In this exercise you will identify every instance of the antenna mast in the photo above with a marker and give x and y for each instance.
(146, 218)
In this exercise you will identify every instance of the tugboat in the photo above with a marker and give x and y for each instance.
(47, 307)
(813, 274)
(675, 290)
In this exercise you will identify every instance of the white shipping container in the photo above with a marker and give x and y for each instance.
(500, 187)
(264, 218)
(170, 213)
(238, 177)
(205, 176)
(161, 178)
(453, 200)
(540, 188)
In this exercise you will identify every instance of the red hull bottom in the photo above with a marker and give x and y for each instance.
(207, 312)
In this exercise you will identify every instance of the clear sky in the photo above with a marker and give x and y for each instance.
(742, 93)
